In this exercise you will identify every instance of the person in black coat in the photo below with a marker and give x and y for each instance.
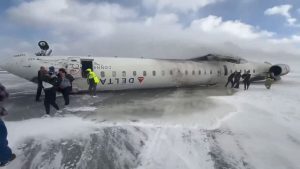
(246, 76)
(230, 79)
(40, 85)
(6, 154)
(237, 79)
(50, 84)
(65, 84)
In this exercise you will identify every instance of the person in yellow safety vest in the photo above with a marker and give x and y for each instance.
(269, 80)
(92, 80)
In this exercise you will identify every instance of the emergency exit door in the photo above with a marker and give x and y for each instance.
(74, 66)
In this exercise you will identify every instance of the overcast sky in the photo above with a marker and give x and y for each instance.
(152, 28)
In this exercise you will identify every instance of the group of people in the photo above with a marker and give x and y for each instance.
(52, 82)
(235, 77)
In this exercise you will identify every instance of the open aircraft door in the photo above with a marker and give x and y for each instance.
(74, 67)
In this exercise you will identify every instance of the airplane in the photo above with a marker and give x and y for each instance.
(141, 73)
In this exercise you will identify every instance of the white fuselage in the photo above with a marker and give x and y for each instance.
(133, 73)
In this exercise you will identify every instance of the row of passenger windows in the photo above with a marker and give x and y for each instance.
(163, 73)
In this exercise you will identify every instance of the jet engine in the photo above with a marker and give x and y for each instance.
(279, 69)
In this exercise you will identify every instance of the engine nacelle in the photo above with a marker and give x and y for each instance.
(279, 69)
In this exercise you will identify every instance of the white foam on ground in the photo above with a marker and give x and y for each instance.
(52, 128)
(266, 125)
(81, 109)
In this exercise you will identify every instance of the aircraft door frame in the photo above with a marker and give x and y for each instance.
(85, 64)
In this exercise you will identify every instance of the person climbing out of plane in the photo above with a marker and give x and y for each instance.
(231, 79)
(6, 154)
(65, 84)
(246, 79)
(40, 85)
(50, 83)
(269, 80)
(237, 78)
(92, 80)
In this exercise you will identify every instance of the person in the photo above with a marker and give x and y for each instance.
(246, 79)
(237, 78)
(230, 79)
(50, 83)
(51, 70)
(92, 80)
(269, 80)
(40, 86)
(6, 154)
(65, 84)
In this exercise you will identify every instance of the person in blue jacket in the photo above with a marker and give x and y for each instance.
(6, 154)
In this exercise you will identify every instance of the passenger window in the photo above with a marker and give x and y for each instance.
(102, 73)
(124, 73)
(199, 72)
(144, 73)
(193, 72)
(171, 72)
(153, 73)
(134, 73)
(186, 72)
(114, 73)
(162, 72)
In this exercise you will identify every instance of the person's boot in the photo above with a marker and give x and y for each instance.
(13, 156)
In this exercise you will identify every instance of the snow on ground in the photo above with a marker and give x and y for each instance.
(81, 109)
(54, 128)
